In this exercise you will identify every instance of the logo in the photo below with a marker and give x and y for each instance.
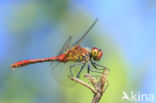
(138, 97)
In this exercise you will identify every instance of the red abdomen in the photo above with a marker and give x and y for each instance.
(59, 58)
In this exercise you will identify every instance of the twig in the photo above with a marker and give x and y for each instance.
(83, 83)
(91, 78)
(99, 86)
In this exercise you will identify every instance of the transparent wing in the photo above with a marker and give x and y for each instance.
(84, 35)
(66, 46)
(60, 72)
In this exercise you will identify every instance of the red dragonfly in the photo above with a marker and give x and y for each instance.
(75, 53)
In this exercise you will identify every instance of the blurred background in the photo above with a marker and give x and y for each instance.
(29, 29)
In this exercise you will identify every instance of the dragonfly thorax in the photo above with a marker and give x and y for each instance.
(78, 54)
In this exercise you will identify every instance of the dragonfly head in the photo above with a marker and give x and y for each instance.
(96, 54)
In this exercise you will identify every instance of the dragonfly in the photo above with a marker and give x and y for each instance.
(72, 52)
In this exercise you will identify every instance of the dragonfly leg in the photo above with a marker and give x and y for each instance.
(98, 65)
(71, 71)
(95, 66)
(71, 66)
(81, 70)
(96, 71)
(89, 69)
(96, 76)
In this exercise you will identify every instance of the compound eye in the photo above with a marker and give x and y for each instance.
(94, 52)
(99, 55)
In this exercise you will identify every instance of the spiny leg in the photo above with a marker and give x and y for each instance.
(71, 66)
(95, 66)
(104, 67)
(92, 70)
(89, 69)
(98, 64)
(81, 70)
